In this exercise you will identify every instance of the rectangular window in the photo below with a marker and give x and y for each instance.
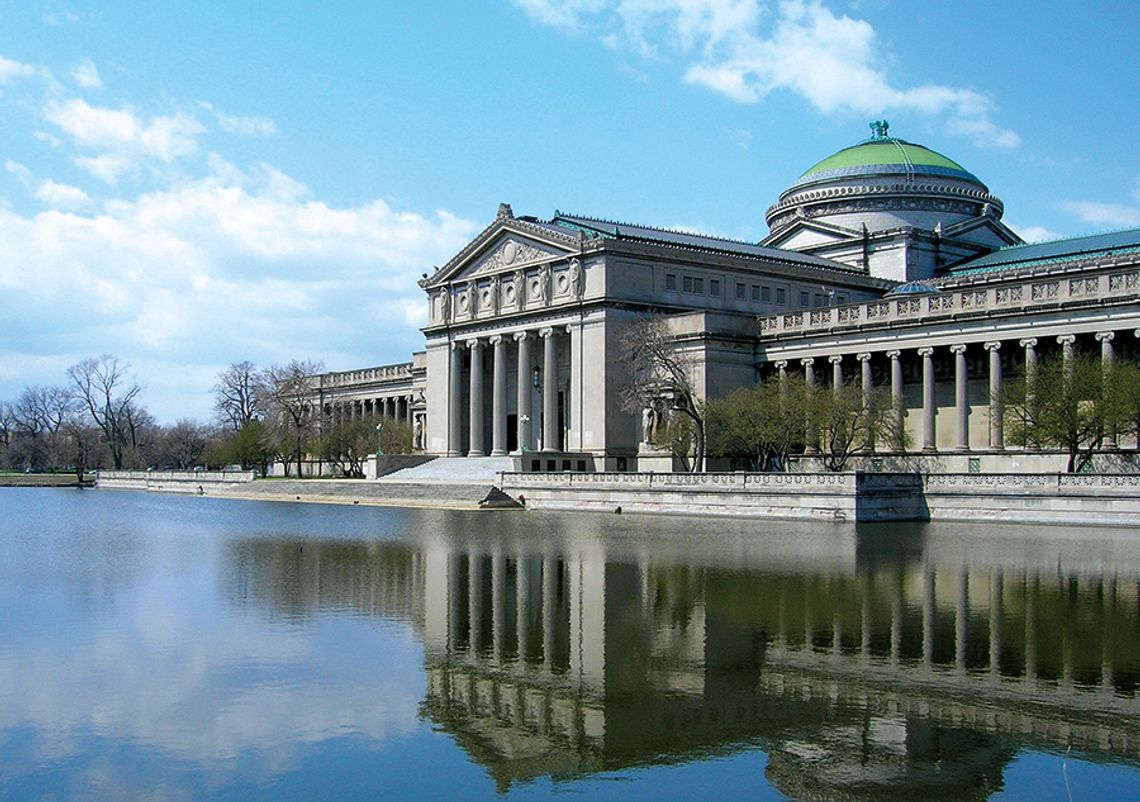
(687, 283)
(842, 299)
(699, 286)
(714, 287)
(671, 282)
(781, 295)
(755, 292)
(740, 291)
(819, 299)
(766, 295)
(805, 300)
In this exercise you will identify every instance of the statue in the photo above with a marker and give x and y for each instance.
(496, 293)
(445, 305)
(418, 433)
(520, 287)
(879, 129)
(544, 284)
(648, 424)
(577, 285)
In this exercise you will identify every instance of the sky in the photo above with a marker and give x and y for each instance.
(186, 185)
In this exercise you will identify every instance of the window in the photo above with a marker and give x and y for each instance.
(699, 286)
(781, 295)
(687, 283)
(755, 292)
(766, 295)
(805, 300)
(671, 282)
(740, 291)
(819, 299)
(714, 287)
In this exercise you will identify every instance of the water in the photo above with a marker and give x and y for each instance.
(189, 648)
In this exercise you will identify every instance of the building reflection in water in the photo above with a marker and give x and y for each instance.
(866, 663)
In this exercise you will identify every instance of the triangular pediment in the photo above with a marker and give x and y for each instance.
(805, 234)
(984, 230)
(506, 245)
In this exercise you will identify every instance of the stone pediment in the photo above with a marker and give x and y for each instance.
(804, 233)
(509, 252)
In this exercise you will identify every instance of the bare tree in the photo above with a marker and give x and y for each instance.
(240, 395)
(294, 407)
(181, 445)
(107, 394)
(660, 373)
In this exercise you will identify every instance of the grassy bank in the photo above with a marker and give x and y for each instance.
(43, 480)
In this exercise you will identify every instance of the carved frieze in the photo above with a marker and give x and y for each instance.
(511, 252)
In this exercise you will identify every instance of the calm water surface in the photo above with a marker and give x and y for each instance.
(188, 648)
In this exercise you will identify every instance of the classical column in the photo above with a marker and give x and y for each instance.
(1107, 357)
(997, 436)
(1066, 341)
(961, 397)
(525, 437)
(897, 397)
(867, 383)
(409, 401)
(455, 403)
(476, 419)
(549, 391)
(1030, 346)
(499, 398)
(811, 447)
(927, 355)
(836, 361)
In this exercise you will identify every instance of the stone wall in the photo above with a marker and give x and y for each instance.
(1112, 499)
(172, 481)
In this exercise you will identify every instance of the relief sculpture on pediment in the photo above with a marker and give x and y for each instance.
(511, 252)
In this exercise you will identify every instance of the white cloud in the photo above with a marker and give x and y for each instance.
(125, 141)
(86, 74)
(13, 69)
(746, 50)
(1033, 233)
(250, 125)
(62, 196)
(59, 17)
(1104, 215)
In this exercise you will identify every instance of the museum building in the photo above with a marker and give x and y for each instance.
(887, 265)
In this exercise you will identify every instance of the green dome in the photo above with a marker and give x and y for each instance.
(884, 155)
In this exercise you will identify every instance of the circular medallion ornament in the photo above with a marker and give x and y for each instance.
(563, 282)
(463, 301)
(510, 252)
(511, 293)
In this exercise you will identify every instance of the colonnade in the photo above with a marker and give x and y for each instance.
(533, 376)
(1027, 354)
(395, 407)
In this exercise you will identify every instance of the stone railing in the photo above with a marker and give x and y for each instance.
(398, 372)
(177, 476)
(1041, 292)
(703, 481)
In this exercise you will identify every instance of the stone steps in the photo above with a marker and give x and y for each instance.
(459, 470)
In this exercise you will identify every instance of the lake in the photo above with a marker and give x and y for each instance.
(167, 647)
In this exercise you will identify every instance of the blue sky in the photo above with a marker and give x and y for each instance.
(186, 185)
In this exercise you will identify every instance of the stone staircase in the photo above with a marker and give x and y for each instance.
(482, 471)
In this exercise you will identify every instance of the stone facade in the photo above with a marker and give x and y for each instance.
(525, 328)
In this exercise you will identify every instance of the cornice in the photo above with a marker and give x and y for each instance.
(812, 197)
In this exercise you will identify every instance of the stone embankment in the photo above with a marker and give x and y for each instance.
(242, 484)
(1033, 498)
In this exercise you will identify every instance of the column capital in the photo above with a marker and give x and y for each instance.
(926, 351)
(474, 343)
(958, 348)
(457, 345)
(1066, 339)
(992, 345)
(521, 335)
(807, 362)
(864, 356)
(781, 364)
(495, 339)
(1103, 336)
(546, 332)
(835, 359)
(1028, 342)
(894, 353)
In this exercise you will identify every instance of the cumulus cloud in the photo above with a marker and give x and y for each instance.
(86, 74)
(59, 17)
(1104, 215)
(250, 125)
(747, 49)
(1033, 233)
(10, 70)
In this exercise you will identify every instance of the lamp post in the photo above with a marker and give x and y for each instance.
(525, 421)
(379, 449)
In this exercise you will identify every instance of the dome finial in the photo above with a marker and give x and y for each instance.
(879, 129)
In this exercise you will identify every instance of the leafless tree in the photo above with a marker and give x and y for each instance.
(294, 407)
(658, 372)
(240, 395)
(108, 394)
